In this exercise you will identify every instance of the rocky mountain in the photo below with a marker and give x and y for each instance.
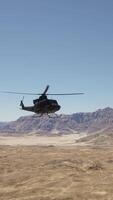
(92, 122)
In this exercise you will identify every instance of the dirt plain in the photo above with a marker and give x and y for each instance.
(56, 172)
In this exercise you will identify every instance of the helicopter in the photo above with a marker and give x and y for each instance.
(42, 105)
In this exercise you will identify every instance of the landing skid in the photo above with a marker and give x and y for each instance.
(54, 115)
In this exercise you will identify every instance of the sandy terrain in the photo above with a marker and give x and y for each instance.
(56, 173)
(55, 140)
(54, 168)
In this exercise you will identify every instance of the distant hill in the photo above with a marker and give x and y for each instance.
(96, 139)
(91, 122)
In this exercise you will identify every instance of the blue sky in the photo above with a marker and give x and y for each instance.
(67, 44)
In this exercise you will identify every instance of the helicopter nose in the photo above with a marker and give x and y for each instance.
(58, 107)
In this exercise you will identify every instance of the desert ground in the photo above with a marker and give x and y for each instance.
(28, 140)
(29, 171)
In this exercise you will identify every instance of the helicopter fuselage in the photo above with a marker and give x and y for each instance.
(45, 106)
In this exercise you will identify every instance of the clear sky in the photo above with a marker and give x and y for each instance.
(67, 44)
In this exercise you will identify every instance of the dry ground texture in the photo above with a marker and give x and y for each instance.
(56, 140)
(56, 173)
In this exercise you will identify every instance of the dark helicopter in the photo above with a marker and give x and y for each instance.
(42, 105)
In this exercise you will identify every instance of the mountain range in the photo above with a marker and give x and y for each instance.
(100, 121)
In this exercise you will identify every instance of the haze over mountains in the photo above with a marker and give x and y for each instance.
(100, 121)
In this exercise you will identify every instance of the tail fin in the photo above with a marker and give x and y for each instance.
(21, 103)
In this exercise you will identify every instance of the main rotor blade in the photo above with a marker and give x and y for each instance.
(24, 93)
(61, 94)
(47, 87)
(30, 93)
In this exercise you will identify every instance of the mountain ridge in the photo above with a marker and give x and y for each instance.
(89, 122)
